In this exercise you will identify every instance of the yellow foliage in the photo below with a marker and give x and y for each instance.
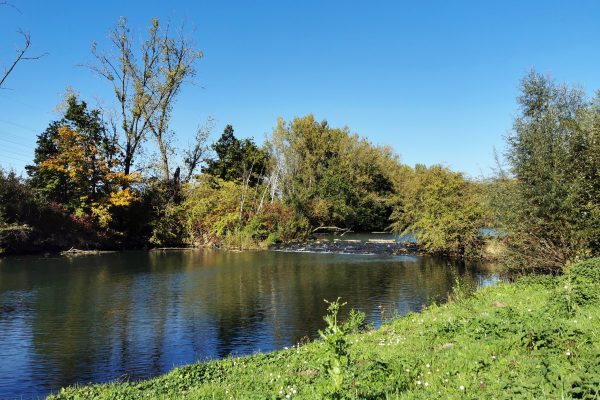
(102, 214)
(91, 174)
(121, 198)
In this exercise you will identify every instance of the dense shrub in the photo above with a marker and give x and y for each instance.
(229, 213)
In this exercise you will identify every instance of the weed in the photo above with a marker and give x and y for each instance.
(335, 338)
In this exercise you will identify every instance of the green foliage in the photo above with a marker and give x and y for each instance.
(230, 213)
(461, 289)
(237, 160)
(551, 208)
(333, 177)
(168, 227)
(442, 209)
(588, 269)
(335, 339)
(579, 288)
(28, 223)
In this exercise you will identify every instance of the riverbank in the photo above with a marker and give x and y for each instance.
(537, 337)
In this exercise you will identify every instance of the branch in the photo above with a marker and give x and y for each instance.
(20, 56)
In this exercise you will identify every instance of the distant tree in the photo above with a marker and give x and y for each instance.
(330, 176)
(442, 210)
(146, 83)
(196, 153)
(237, 160)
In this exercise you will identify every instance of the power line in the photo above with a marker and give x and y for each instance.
(14, 158)
(15, 143)
(18, 125)
(15, 152)
(15, 135)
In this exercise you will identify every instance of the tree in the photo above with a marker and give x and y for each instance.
(195, 154)
(553, 154)
(442, 210)
(146, 83)
(76, 164)
(330, 176)
(237, 160)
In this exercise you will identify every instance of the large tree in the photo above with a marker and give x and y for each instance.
(554, 158)
(146, 79)
(76, 163)
(440, 208)
(330, 176)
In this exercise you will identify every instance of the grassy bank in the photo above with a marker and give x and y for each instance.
(536, 338)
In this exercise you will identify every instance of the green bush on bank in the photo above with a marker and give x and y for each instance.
(536, 338)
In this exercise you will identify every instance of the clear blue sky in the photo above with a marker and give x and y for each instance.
(435, 79)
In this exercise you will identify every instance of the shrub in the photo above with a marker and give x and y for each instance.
(588, 269)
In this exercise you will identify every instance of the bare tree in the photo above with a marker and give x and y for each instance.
(21, 52)
(195, 154)
(146, 87)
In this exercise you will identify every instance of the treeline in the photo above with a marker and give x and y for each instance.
(307, 175)
(118, 180)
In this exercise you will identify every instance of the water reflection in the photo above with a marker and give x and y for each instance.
(94, 319)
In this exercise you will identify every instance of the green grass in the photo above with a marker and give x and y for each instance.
(536, 338)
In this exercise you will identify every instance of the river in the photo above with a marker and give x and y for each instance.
(133, 315)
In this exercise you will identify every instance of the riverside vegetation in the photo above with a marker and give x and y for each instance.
(535, 338)
(90, 188)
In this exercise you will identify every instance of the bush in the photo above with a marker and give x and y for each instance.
(221, 213)
(588, 269)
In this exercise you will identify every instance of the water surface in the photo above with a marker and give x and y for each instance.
(139, 314)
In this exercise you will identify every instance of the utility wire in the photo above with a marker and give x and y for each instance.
(14, 143)
(18, 125)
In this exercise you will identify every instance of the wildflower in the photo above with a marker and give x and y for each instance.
(462, 387)
(418, 382)
(568, 353)
(428, 366)
(426, 384)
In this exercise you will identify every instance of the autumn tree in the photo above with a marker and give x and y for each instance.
(146, 79)
(76, 164)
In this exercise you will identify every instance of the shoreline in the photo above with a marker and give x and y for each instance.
(487, 344)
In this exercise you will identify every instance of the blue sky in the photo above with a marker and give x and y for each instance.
(437, 80)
